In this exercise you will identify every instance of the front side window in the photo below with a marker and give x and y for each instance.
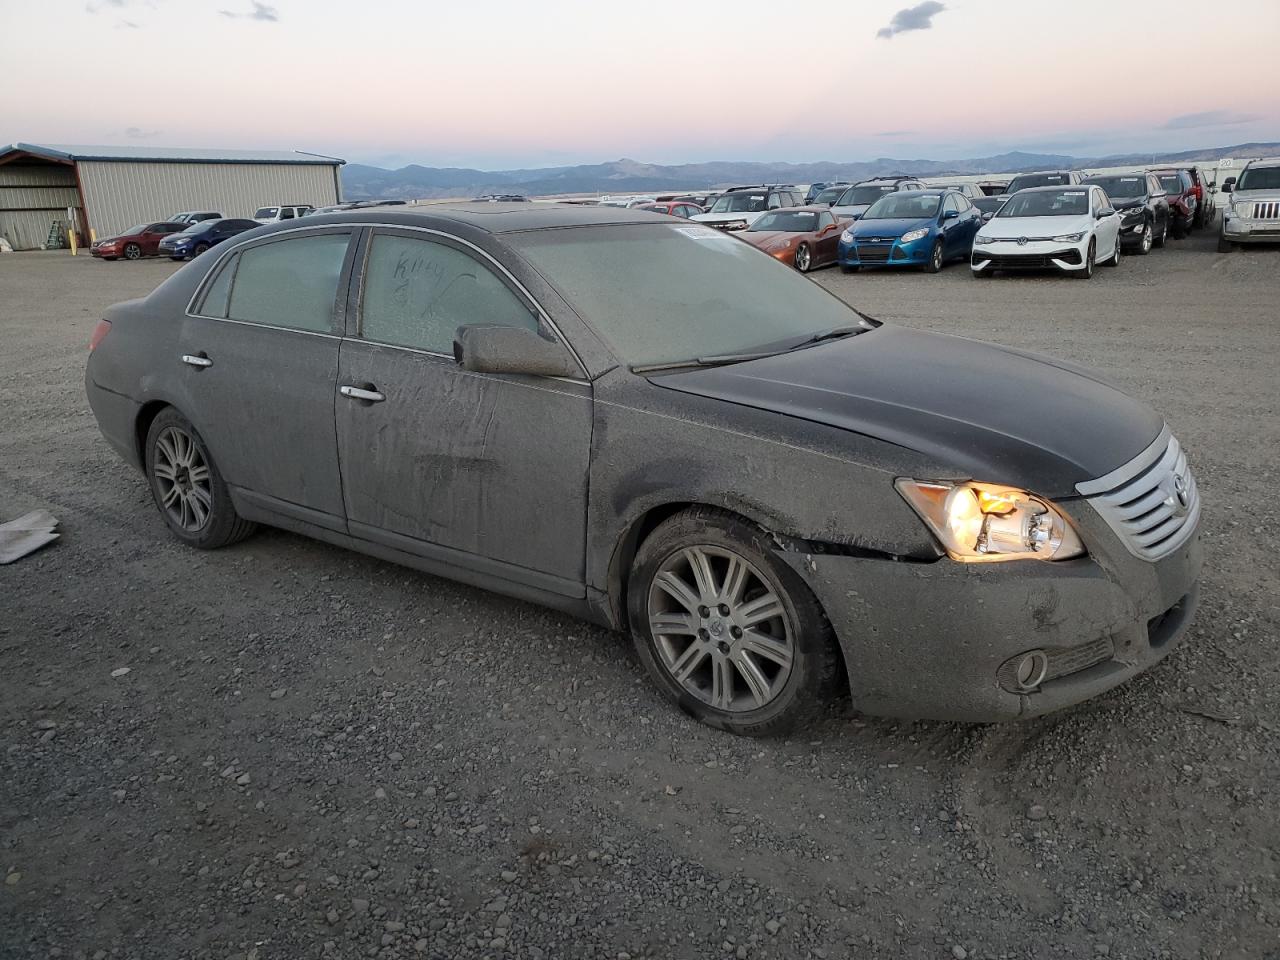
(417, 293)
(289, 283)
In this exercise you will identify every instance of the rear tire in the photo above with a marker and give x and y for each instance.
(187, 487)
(717, 672)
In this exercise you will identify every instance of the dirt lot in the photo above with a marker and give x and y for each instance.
(317, 754)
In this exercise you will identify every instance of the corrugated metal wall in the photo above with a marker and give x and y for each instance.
(32, 196)
(119, 194)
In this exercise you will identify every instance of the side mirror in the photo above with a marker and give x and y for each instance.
(988, 216)
(1104, 212)
(950, 214)
(1228, 184)
(498, 349)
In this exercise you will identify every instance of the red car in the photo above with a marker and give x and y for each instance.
(675, 208)
(1181, 189)
(136, 242)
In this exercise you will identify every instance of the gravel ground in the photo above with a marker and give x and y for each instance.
(315, 754)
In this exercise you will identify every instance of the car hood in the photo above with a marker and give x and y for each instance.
(981, 411)
(770, 239)
(889, 228)
(1011, 228)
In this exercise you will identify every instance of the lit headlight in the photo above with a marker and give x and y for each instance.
(979, 522)
(913, 235)
(1069, 238)
(982, 241)
(846, 237)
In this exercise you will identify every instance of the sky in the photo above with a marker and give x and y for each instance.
(500, 84)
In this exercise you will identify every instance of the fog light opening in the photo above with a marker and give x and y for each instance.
(1027, 671)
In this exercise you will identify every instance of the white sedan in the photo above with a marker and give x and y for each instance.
(1071, 228)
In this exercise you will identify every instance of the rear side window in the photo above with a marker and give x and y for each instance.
(215, 297)
(290, 283)
(417, 293)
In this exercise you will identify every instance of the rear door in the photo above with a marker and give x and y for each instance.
(259, 355)
(484, 471)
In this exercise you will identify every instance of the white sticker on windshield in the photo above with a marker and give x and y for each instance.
(701, 233)
(1074, 193)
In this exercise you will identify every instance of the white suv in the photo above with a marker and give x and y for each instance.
(740, 207)
(1253, 215)
(276, 214)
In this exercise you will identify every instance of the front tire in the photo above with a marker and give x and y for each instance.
(728, 632)
(187, 487)
(200, 248)
(935, 258)
(132, 251)
(804, 258)
(1147, 239)
(1090, 259)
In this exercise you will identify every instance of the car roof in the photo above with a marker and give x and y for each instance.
(1037, 173)
(1049, 188)
(1264, 162)
(495, 217)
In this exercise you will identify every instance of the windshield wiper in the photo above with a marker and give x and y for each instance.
(717, 360)
(833, 334)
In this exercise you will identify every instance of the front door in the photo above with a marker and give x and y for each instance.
(260, 367)
(485, 471)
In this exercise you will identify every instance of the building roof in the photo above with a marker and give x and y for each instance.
(74, 152)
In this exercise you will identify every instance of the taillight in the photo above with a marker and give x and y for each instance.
(100, 331)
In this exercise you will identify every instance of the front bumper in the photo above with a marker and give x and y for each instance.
(183, 251)
(105, 252)
(935, 640)
(1033, 255)
(884, 252)
(1241, 230)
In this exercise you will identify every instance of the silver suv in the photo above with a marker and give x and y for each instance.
(1253, 215)
(855, 200)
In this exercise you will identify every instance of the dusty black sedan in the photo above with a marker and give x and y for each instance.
(659, 428)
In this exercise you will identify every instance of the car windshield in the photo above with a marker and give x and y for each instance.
(989, 204)
(903, 206)
(1122, 188)
(855, 196)
(788, 221)
(1259, 178)
(265, 212)
(739, 203)
(1046, 203)
(200, 227)
(138, 229)
(829, 195)
(661, 293)
(1172, 183)
(1036, 180)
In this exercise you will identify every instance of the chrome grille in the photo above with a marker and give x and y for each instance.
(1267, 210)
(1151, 502)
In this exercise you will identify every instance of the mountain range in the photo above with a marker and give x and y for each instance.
(631, 176)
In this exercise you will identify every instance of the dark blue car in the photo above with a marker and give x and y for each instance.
(199, 237)
(920, 228)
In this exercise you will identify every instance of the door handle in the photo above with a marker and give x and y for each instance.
(359, 393)
(197, 360)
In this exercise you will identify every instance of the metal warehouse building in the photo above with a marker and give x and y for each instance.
(109, 189)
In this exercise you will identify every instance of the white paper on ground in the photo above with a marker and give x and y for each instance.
(27, 533)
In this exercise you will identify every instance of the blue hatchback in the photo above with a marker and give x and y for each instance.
(920, 228)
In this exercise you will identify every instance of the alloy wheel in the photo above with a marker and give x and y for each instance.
(721, 629)
(186, 491)
(1147, 239)
(935, 259)
(132, 251)
(803, 258)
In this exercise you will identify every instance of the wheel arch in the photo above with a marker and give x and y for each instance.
(147, 414)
